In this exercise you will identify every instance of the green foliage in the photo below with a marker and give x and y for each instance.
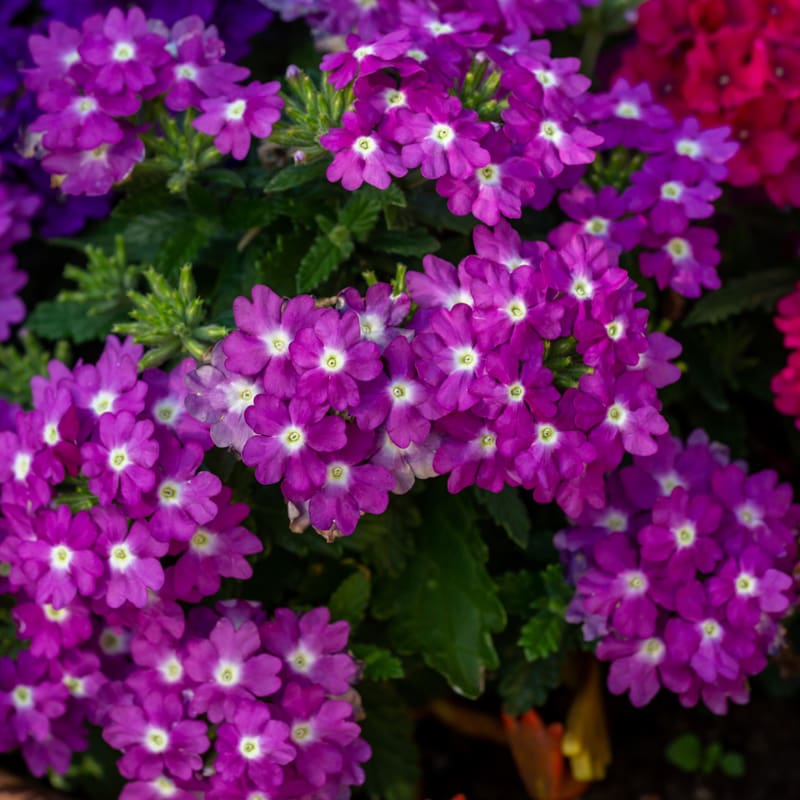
(378, 663)
(19, 365)
(168, 320)
(393, 771)
(444, 605)
(689, 754)
(760, 289)
(295, 175)
(543, 633)
(525, 685)
(99, 299)
(508, 511)
(351, 598)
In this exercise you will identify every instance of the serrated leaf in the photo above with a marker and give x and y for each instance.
(393, 771)
(758, 290)
(444, 606)
(541, 635)
(508, 511)
(379, 663)
(360, 214)
(525, 685)
(296, 175)
(517, 591)
(685, 752)
(350, 600)
(417, 242)
(318, 263)
(69, 320)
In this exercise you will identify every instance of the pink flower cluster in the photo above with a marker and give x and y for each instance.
(684, 576)
(91, 85)
(108, 524)
(522, 366)
(786, 384)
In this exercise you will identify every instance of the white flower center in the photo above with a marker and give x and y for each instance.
(235, 111)
(582, 289)
(546, 434)
(615, 330)
(669, 481)
(21, 466)
(120, 558)
(678, 248)
(442, 134)
(164, 786)
(440, 28)
(156, 740)
(362, 52)
(615, 521)
(394, 98)
(338, 473)
(671, 190)
(60, 557)
(332, 360)
(124, 51)
(227, 674)
(636, 582)
(250, 747)
(50, 434)
(551, 131)
(749, 516)
(365, 145)
(169, 493)
(241, 394)
(488, 441)
(300, 660)
(186, 72)
(54, 614)
(652, 649)
(516, 309)
(545, 77)
(617, 415)
(598, 226)
(628, 110)
(516, 393)
(102, 402)
(688, 147)
(302, 733)
(22, 697)
(75, 685)
(203, 542)
(293, 438)
(400, 392)
(118, 458)
(465, 359)
(488, 175)
(711, 629)
(685, 535)
(85, 105)
(166, 411)
(746, 584)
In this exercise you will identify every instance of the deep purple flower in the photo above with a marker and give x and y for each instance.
(51, 630)
(686, 262)
(380, 312)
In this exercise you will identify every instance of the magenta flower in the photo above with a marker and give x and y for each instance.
(361, 155)
(119, 461)
(380, 313)
(333, 359)
(156, 737)
(131, 558)
(365, 58)
(289, 438)
(61, 561)
(51, 630)
(229, 669)
(686, 262)
(183, 495)
(216, 550)
(124, 49)
(266, 328)
(244, 111)
(251, 743)
(351, 487)
(311, 648)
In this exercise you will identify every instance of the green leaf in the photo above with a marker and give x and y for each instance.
(393, 771)
(685, 752)
(319, 262)
(517, 591)
(69, 320)
(225, 177)
(417, 242)
(350, 600)
(444, 606)
(525, 685)
(360, 214)
(509, 512)
(296, 175)
(732, 764)
(758, 290)
(379, 663)
(541, 635)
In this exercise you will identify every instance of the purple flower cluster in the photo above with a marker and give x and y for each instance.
(407, 113)
(500, 17)
(685, 574)
(673, 188)
(523, 366)
(108, 524)
(91, 83)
